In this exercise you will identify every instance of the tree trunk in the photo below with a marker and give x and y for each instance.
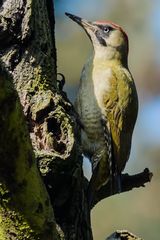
(46, 134)
(25, 208)
(27, 47)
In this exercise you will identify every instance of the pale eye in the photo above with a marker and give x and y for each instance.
(106, 29)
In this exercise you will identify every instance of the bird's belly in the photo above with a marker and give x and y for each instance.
(92, 136)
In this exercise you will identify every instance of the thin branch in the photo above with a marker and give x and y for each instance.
(128, 183)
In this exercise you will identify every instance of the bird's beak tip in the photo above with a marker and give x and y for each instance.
(82, 22)
(73, 17)
(67, 14)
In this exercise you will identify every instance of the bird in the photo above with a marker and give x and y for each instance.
(107, 103)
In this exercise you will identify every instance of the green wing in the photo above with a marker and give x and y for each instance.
(121, 107)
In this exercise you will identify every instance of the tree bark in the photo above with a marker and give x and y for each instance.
(28, 51)
(25, 208)
(46, 134)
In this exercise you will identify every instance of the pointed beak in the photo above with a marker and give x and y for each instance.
(82, 22)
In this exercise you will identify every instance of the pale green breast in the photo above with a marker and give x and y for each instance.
(89, 111)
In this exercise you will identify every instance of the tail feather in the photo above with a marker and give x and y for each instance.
(108, 142)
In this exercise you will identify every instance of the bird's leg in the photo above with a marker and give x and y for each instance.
(116, 178)
(112, 182)
(92, 183)
(119, 180)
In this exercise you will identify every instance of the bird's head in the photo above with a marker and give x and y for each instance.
(109, 39)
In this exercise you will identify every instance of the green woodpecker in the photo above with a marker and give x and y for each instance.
(107, 102)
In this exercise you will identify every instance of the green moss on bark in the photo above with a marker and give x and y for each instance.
(25, 209)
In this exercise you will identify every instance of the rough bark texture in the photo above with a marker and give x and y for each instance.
(27, 49)
(25, 208)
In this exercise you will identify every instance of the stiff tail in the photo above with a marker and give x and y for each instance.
(108, 142)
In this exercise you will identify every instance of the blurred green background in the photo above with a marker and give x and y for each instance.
(138, 210)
